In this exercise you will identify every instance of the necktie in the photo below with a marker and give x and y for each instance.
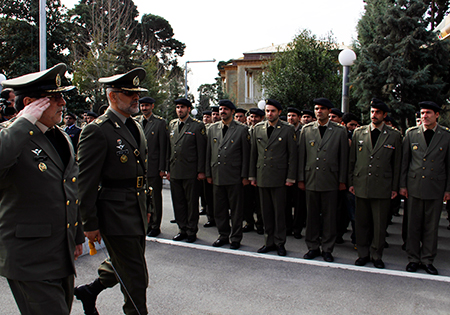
(374, 136)
(180, 126)
(60, 144)
(429, 133)
(322, 130)
(133, 129)
(224, 130)
(145, 122)
(269, 131)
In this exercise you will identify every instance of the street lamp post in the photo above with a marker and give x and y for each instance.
(346, 58)
(186, 71)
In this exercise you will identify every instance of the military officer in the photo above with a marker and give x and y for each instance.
(206, 116)
(206, 189)
(336, 115)
(113, 159)
(227, 158)
(215, 114)
(240, 115)
(41, 231)
(374, 173)
(155, 129)
(425, 181)
(306, 117)
(186, 168)
(71, 129)
(273, 166)
(322, 172)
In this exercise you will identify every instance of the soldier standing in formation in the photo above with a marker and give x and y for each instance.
(155, 129)
(113, 156)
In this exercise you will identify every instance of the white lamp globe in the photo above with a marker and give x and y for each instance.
(261, 104)
(194, 111)
(347, 57)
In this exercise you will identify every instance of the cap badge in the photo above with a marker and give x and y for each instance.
(136, 81)
(58, 80)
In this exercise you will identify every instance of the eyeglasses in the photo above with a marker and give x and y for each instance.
(128, 93)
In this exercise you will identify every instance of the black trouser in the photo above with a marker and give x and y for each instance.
(185, 204)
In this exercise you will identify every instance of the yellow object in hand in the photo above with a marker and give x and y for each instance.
(92, 250)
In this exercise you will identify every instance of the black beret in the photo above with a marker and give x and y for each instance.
(294, 110)
(128, 81)
(241, 110)
(324, 102)
(430, 105)
(308, 112)
(256, 111)
(283, 118)
(274, 103)
(71, 115)
(92, 114)
(184, 102)
(348, 117)
(378, 104)
(48, 81)
(147, 100)
(227, 103)
(215, 109)
(206, 112)
(337, 112)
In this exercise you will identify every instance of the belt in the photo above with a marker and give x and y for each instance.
(137, 182)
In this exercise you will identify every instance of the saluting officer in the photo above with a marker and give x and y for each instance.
(273, 166)
(155, 129)
(186, 169)
(41, 231)
(227, 158)
(374, 173)
(322, 172)
(425, 181)
(113, 159)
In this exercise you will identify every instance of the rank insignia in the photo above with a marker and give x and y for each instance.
(415, 147)
(136, 152)
(203, 131)
(58, 80)
(124, 158)
(42, 167)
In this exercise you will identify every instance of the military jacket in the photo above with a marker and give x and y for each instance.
(375, 172)
(40, 222)
(157, 141)
(227, 158)
(112, 169)
(187, 149)
(323, 161)
(273, 161)
(426, 169)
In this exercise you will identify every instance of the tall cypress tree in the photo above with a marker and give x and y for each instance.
(400, 60)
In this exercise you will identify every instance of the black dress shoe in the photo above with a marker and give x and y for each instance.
(88, 299)
(429, 269)
(362, 261)
(412, 267)
(339, 240)
(311, 254)
(378, 263)
(173, 221)
(209, 224)
(235, 245)
(154, 232)
(219, 243)
(297, 236)
(266, 249)
(180, 237)
(281, 251)
(247, 228)
(191, 238)
(260, 230)
(327, 256)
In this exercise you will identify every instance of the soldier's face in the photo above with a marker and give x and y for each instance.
(306, 119)
(215, 116)
(335, 118)
(147, 109)
(428, 117)
(272, 113)
(377, 116)
(207, 119)
(53, 114)
(89, 119)
(255, 119)
(322, 112)
(69, 120)
(127, 101)
(352, 125)
(182, 111)
(240, 117)
(293, 119)
(225, 113)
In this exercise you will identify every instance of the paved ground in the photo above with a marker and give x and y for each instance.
(200, 279)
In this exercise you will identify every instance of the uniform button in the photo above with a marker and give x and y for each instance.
(423, 167)
(265, 149)
(265, 157)
(318, 150)
(31, 132)
(218, 155)
(370, 174)
(74, 179)
(324, 159)
(137, 161)
(423, 176)
(76, 201)
(265, 165)
(218, 163)
(225, 148)
(225, 163)
(370, 165)
(271, 158)
(432, 169)
(371, 157)
(424, 160)
(64, 180)
(145, 161)
(76, 224)
(317, 168)
(68, 202)
(174, 151)
(68, 225)
(317, 159)
(137, 193)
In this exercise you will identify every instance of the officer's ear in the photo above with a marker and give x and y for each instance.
(27, 100)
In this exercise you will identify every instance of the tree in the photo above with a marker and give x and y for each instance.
(306, 70)
(436, 12)
(399, 59)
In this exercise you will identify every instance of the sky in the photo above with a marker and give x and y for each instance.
(225, 30)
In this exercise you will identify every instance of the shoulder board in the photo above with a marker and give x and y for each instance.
(100, 120)
(338, 125)
(411, 128)
(195, 119)
(259, 124)
(240, 124)
(310, 124)
(173, 121)
(158, 117)
(6, 124)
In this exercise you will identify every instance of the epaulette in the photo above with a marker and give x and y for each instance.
(100, 120)
(195, 119)
(6, 124)
(240, 124)
(310, 124)
(173, 121)
(393, 129)
(445, 128)
(338, 124)
(158, 117)
(411, 129)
